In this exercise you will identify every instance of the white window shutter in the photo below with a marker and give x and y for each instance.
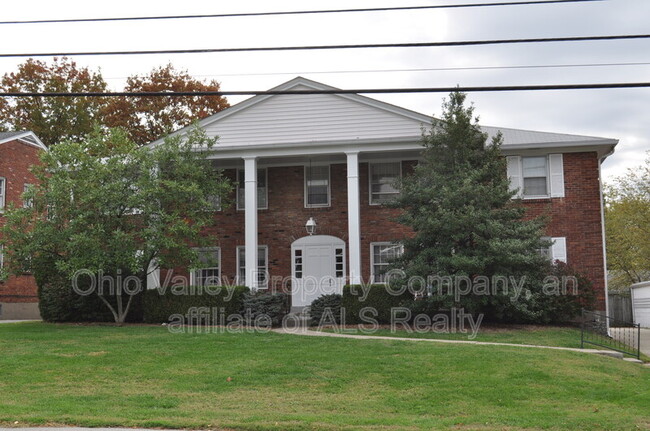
(557, 175)
(558, 249)
(514, 174)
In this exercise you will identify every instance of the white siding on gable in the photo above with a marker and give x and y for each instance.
(310, 118)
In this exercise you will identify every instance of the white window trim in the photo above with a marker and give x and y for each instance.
(266, 260)
(266, 191)
(559, 249)
(523, 179)
(554, 179)
(372, 257)
(194, 270)
(370, 165)
(2, 256)
(3, 194)
(329, 186)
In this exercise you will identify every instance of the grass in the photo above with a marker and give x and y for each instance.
(148, 377)
(559, 336)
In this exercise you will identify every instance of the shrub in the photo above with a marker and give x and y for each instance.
(58, 302)
(567, 304)
(379, 297)
(330, 302)
(261, 304)
(160, 304)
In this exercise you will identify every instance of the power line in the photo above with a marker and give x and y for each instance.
(330, 47)
(468, 89)
(425, 69)
(301, 12)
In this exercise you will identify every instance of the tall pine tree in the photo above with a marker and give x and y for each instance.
(459, 204)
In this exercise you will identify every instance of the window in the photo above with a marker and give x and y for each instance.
(557, 249)
(383, 178)
(297, 262)
(381, 255)
(209, 271)
(535, 175)
(215, 203)
(3, 184)
(547, 252)
(317, 186)
(262, 203)
(338, 255)
(262, 265)
(27, 203)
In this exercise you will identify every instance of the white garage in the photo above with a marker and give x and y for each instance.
(640, 293)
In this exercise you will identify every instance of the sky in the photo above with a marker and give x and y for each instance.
(623, 114)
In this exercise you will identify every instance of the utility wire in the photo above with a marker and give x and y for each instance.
(433, 69)
(336, 91)
(301, 12)
(330, 47)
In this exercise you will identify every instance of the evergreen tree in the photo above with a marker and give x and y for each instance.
(458, 202)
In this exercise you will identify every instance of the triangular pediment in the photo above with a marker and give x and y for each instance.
(285, 119)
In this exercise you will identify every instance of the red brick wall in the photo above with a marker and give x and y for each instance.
(15, 160)
(576, 217)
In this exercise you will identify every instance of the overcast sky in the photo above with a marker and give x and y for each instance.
(623, 114)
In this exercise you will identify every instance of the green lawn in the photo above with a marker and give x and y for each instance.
(523, 334)
(145, 376)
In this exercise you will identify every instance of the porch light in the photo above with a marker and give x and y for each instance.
(310, 226)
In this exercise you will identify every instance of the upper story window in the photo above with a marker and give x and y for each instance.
(381, 255)
(317, 186)
(262, 194)
(383, 179)
(209, 271)
(3, 184)
(536, 177)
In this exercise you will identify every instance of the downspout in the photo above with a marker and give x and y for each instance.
(602, 227)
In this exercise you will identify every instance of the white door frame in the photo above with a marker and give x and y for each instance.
(302, 295)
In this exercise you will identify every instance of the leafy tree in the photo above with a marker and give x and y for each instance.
(53, 119)
(107, 206)
(459, 204)
(627, 226)
(149, 118)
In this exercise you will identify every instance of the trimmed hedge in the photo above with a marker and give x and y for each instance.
(160, 304)
(323, 303)
(273, 306)
(379, 297)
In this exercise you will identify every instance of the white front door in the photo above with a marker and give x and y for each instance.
(318, 268)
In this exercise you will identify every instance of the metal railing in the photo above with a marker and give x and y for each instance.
(604, 331)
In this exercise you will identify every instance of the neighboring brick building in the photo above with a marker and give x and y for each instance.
(18, 152)
(332, 158)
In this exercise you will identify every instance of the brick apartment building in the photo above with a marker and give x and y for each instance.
(18, 151)
(331, 159)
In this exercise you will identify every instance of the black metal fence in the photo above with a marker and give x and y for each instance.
(610, 333)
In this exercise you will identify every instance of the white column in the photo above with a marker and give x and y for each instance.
(354, 221)
(250, 210)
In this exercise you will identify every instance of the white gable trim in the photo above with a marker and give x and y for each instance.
(22, 138)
